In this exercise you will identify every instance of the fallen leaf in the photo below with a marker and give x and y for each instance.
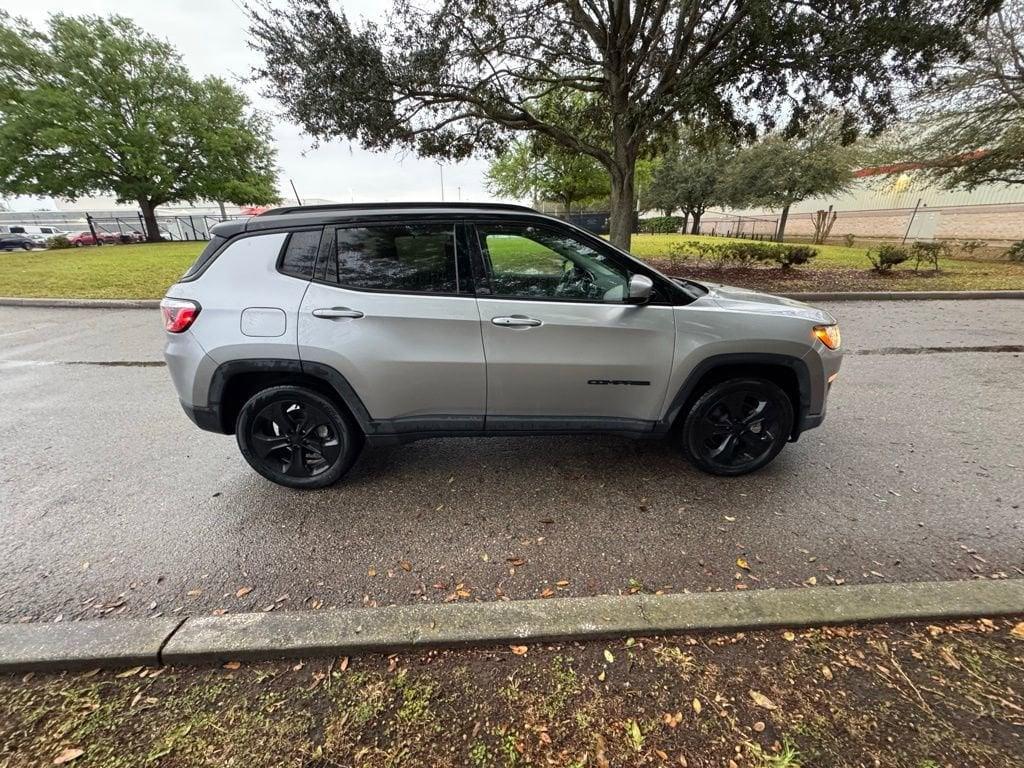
(69, 754)
(696, 706)
(672, 720)
(761, 700)
(519, 650)
(730, 519)
(547, 592)
(544, 737)
(405, 565)
(759, 726)
(515, 561)
(129, 672)
(601, 675)
(243, 591)
(371, 572)
(609, 656)
(826, 672)
(562, 583)
(813, 580)
(344, 663)
(1018, 629)
(232, 665)
(741, 562)
(788, 636)
(194, 592)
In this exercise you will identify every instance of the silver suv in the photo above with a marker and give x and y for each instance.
(307, 332)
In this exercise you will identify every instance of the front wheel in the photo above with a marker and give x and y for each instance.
(296, 437)
(737, 426)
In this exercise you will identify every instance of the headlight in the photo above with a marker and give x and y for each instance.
(828, 335)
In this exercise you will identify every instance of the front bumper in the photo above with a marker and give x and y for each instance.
(823, 365)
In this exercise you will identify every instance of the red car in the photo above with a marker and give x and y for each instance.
(86, 238)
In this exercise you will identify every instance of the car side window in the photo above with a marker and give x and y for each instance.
(405, 258)
(300, 253)
(532, 262)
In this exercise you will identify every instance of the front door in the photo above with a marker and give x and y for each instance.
(564, 351)
(392, 310)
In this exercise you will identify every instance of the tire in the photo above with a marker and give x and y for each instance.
(737, 426)
(278, 421)
(27, 247)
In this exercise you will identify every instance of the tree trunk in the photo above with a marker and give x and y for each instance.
(686, 220)
(568, 208)
(780, 233)
(621, 219)
(695, 229)
(149, 217)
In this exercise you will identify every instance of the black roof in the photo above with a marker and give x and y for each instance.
(316, 215)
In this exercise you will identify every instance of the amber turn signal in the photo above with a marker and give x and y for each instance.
(828, 335)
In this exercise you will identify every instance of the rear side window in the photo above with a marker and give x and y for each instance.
(300, 254)
(207, 253)
(407, 258)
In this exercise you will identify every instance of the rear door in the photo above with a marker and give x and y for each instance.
(391, 309)
(564, 350)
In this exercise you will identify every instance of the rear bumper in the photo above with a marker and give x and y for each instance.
(204, 418)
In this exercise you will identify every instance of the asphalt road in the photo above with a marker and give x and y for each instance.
(112, 503)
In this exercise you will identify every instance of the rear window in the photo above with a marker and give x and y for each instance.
(204, 257)
(300, 254)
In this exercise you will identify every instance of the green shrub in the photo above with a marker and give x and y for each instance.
(57, 242)
(928, 252)
(788, 255)
(661, 225)
(970, 246)
(885, 257)
(1016, 251)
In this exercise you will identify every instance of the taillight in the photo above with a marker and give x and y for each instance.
(178, 314)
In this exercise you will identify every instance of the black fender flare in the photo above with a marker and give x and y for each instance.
(709, 364)
(225, 372)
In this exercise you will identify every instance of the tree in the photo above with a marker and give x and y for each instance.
(547, 171)
(450, 77)
(689, 177)
(95, 105)
(777, 172)
(968, 127)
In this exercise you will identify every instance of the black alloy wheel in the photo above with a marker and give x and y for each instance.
(738, 426)
(296, 437)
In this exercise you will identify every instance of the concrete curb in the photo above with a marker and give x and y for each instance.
(80, 644)
(6, 301)
(841, 296)
(254, 636)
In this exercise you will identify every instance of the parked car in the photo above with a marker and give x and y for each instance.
(12, 241)
(307, 332)
(79, 239)
(37, 234)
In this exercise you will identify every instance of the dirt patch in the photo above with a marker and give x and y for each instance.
(913, 696)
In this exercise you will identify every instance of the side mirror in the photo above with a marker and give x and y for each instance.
(640, 287)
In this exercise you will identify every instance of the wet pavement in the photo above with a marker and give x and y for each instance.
(112, 503)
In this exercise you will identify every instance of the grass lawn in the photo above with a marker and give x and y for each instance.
(912, 696)
(141, 271)
(145, 271)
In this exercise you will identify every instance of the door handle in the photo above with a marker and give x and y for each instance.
(335, 312)
(516, 321)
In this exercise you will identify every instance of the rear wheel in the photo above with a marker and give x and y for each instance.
(737, 426)
(296, 437)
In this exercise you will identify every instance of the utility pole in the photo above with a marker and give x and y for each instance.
(911, 222)
(295, 192)
(441, 168)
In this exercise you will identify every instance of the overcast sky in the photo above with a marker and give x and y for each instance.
(211, 37)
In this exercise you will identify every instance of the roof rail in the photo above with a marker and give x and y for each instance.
(364, 206)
